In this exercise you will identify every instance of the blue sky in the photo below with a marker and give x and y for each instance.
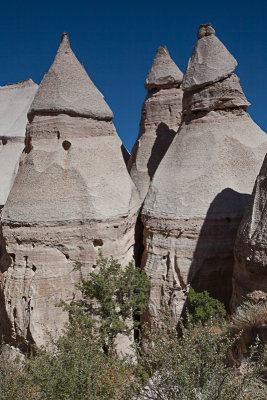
(117, 40)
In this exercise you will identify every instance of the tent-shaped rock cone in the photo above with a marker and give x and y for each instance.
(15, 100)
(160, 119)
(250, 270)
(72, 197)
(202, 186)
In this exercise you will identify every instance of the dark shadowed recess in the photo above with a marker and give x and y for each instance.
(165, 136)
(213, 262)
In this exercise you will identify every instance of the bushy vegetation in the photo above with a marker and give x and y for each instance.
(84, 363)
(203, 308)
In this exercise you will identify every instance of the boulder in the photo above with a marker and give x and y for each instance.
(201, 188)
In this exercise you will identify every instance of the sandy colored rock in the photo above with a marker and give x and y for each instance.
(250, 271)
(72, 197)
(69, 89)
(210, 61)
(201, 189)
(15, 100)
(164, 72)
(160, 119)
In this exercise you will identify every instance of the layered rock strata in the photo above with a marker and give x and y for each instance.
(15, 101)
(201, 187)
(250, 270)
(71, 198)
(160, 119)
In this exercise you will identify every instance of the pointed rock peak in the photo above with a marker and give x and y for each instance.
(210, 61)
(66, 88)
(205, 30)
(164, 73)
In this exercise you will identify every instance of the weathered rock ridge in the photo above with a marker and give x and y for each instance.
(71, 197)
(160, 119)
(15, 100)
(250, 270)
(201, 188)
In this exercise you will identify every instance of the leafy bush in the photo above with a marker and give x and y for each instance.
(196, 366)
(112, 298)
(204, 308)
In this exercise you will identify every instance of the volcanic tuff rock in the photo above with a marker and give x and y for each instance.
(161, 116)
(250, 270)
(72, 196)
(15, 100)
(201, 188)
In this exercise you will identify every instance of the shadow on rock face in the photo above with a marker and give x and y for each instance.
(5, 263)
(213, 262)
(164, 138)
(125, 154)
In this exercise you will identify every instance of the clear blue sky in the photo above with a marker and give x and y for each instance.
(117, 40)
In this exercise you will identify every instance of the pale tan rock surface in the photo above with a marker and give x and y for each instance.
(15, 100)
(201, 188)
(160, 119)
(72, 197)
(250, 270)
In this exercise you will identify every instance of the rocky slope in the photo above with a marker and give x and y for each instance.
(72, 197)
(202, 186)
(161, 116)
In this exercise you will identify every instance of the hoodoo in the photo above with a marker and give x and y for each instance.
(15, 100)
(250, 270)
(202, 186)
(72, 196)
(160, 119)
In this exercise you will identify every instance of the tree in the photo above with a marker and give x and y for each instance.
(113, 298)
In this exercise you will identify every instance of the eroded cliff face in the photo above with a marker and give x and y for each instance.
(201, 188)
(250, 270)
(72, 197)
(161, 117)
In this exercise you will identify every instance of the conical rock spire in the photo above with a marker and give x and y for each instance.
(160, 119)
(164, 72)
(66, 88)
(72, 197)
(210, 61)
(201, 188)
(15, 100)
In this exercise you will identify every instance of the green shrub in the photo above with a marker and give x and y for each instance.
(196, 366)
(203, 308)
(112, 300)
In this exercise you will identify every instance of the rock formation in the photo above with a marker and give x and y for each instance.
(71, 197)
(161, 116)
(250, 270)
(201, 187)
(15, 100)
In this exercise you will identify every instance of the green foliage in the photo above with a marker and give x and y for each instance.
(110, 299)
(203, 308)
(76, 368)
(197, 365)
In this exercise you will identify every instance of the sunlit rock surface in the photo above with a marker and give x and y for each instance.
(202, 186)
(161, 116)
(72, 197)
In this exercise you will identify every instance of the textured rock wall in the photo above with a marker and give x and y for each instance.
(250, 270)
(201, 188)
